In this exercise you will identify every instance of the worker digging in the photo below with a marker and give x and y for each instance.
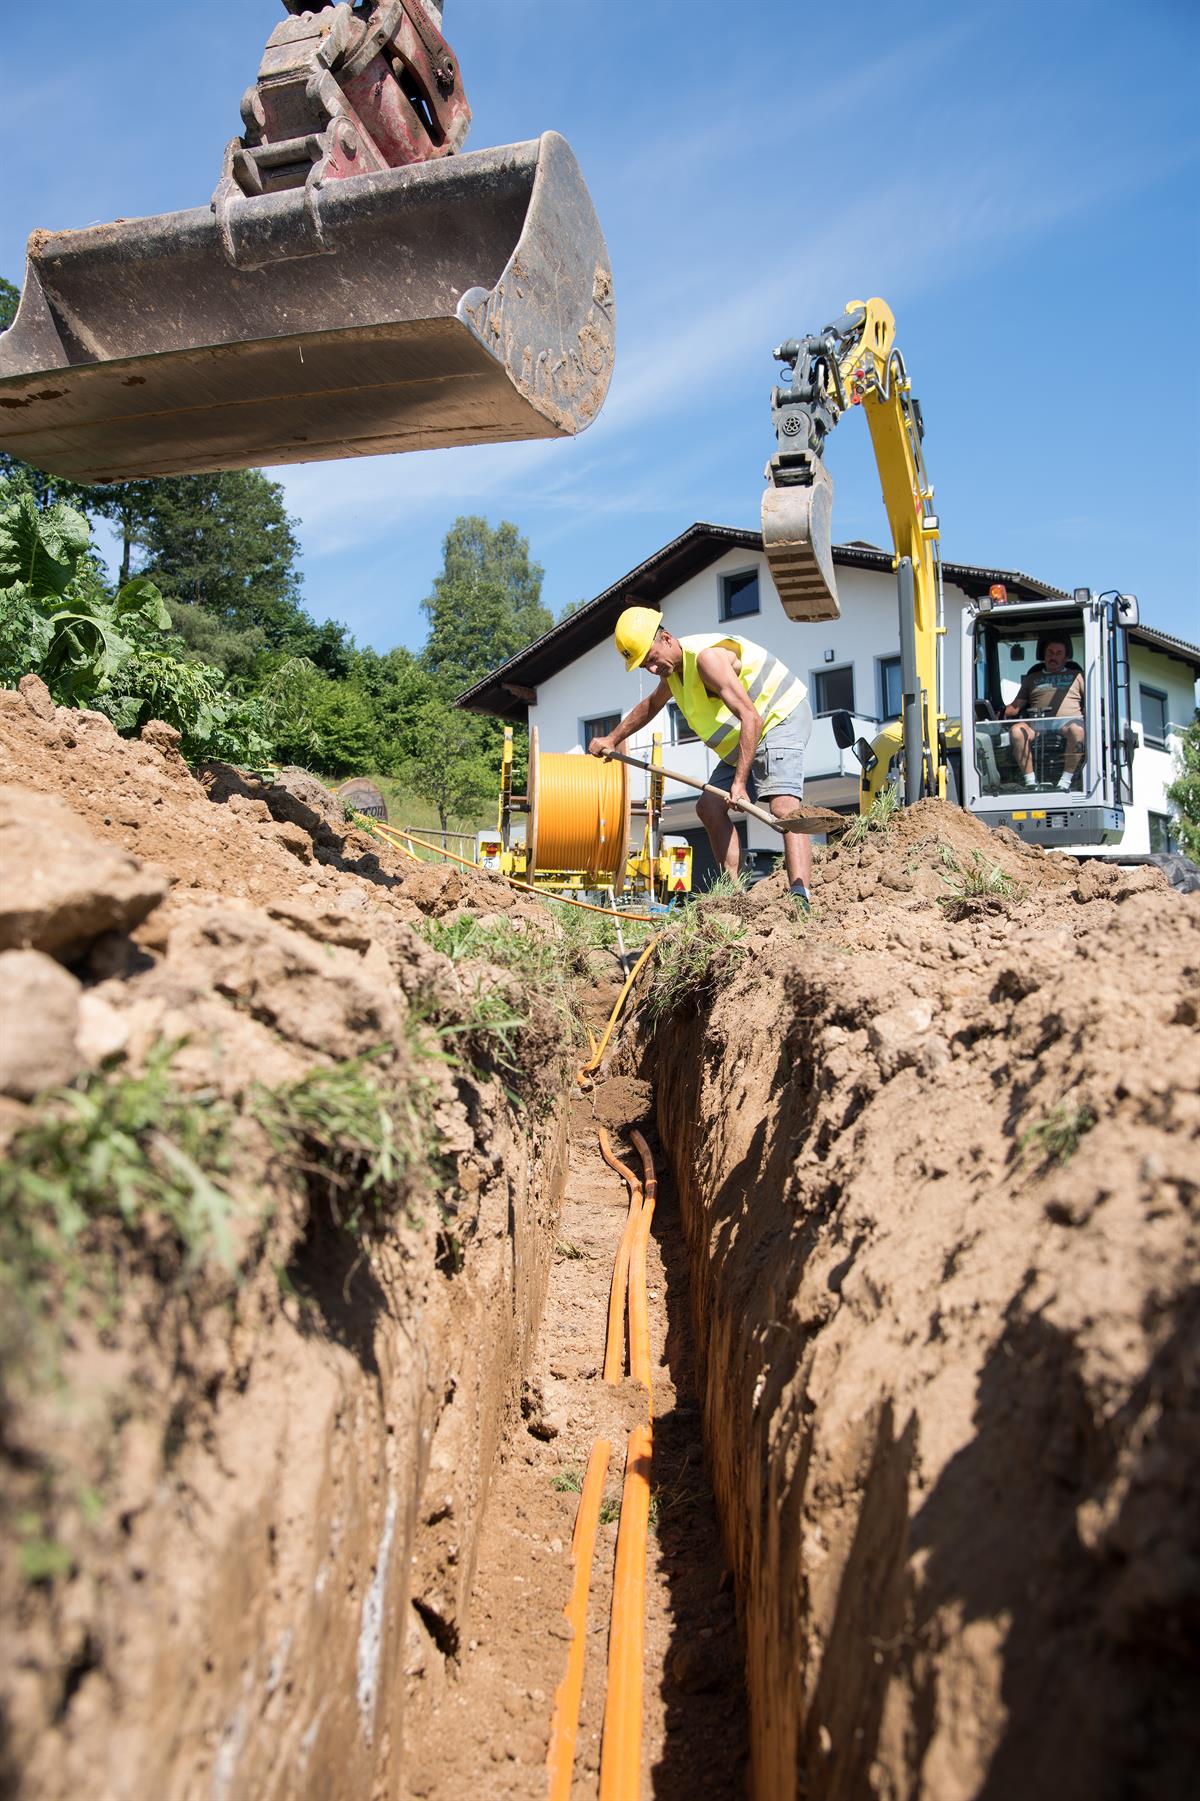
(750, 710)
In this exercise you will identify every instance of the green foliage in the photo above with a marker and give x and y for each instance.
(1184, 792)
(486, 603)
(109, 652)
(9, 298)
(568, 1482)
(1055, 1139)
(449, 765)
(879, 817)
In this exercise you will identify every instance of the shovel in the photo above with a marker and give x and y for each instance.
(804, 819)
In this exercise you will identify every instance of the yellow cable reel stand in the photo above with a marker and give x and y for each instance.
(578, 811)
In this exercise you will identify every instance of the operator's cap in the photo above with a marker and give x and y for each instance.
(635, 633)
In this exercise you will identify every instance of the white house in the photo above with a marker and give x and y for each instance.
(571, 684)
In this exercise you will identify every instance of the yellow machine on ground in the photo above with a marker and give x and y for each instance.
(576, 839)
(855, 362)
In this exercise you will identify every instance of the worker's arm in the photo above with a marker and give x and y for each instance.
(1021, 702)
(633, 721)
(718, 672)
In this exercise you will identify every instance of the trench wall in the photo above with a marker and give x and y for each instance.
(949, 1391)
(293, 1576)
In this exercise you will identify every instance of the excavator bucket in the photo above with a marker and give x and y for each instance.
(462, 300)
(798, 544)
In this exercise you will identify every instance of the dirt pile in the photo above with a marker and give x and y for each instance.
(229, 1461)
(938, 1164)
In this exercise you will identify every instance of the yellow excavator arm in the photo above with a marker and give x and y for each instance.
(855, 362)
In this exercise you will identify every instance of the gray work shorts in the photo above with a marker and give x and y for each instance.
(778, 766)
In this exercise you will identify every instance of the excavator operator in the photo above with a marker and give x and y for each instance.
(747, 706)
(1051, 689)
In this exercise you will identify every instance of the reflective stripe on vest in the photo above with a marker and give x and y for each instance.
(770, 685)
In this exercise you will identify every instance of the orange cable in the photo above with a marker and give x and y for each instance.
(564, 1726)
(621, 1749)
(646, 919)
(589, 1068)
(639, 1305)
(614, 1343)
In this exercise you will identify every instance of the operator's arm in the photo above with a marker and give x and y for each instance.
(633, 721)
(718, 672)
(1021, 703)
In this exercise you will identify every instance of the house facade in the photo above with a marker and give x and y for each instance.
(571, 684)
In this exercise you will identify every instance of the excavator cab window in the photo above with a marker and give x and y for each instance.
(1042, 747)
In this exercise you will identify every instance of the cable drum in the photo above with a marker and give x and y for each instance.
(578, 816)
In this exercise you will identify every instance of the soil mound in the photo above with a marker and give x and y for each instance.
(938, 1157)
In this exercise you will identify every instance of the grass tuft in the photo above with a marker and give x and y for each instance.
(976, 886)
(879, 817)
(688, 950)
(1056, 1138)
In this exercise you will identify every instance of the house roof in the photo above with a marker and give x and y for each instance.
(1150, 636)
(508, 691)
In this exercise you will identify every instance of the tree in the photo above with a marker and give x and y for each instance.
(224, 542)
(1184, 791)
(486, 603)
(449, 768)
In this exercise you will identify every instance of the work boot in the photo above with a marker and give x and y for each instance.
(802, 899)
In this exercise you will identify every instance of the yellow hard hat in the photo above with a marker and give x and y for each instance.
(635, 633)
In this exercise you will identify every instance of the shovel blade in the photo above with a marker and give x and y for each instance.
(462, 301)
(796, 529)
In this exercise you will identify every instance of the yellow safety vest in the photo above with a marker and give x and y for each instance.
(770, 684)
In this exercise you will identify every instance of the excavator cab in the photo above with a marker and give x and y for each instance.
(356, 286)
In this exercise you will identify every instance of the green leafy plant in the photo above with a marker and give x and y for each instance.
(1056, 1138)
(1184, 792)
(109, 652)
(568, 1482)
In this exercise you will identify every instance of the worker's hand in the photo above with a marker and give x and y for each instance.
(601, 747)
(739, 795)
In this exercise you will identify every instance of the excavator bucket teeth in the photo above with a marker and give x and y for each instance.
(797, 540)
(465, 300)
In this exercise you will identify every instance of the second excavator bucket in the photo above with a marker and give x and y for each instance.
(797, 539)
(464, 300)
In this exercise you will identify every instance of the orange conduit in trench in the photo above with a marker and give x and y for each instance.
(614, 1343)
(621, 1747)
(592, 1065)
(564, 1727)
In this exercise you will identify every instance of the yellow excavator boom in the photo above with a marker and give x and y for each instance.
(855, 362)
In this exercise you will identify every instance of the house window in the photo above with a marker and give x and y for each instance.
(681, 731)
(599, 727)
(1160, 832)
(890, 693)
(833, 688)
(739, 594)
(1154, 718)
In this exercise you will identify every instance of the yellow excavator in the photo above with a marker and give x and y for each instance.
(1049, 798)
(357, 284)
(855, 362)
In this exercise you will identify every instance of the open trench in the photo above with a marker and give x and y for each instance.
(923, 1322)
(488, 1724)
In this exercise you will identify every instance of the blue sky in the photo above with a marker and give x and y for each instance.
(1019, 182)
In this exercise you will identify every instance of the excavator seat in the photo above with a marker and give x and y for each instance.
(313, 311)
